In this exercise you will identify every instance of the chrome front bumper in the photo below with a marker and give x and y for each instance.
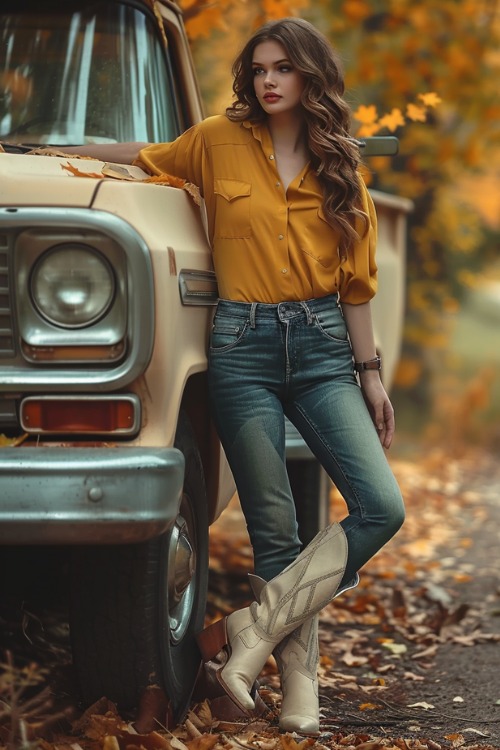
(88, 495)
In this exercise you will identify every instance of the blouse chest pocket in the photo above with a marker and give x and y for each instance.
(232, 216)
(320, 239)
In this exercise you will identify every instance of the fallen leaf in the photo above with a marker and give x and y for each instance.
(150, 741)
(289, 743)
(386, 668)
(422, 704)
(203, 742)
(455, 738)
(79, 173)
(351, 660)
(431, 651)
(191, 729)
(462, 577)
(395, 648)
(413, 676)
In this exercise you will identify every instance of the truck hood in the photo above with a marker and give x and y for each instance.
(41, 181)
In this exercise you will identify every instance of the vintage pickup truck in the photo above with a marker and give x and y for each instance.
(106, 298)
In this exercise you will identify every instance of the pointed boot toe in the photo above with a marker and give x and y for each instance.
(300, 725)
(300, 703)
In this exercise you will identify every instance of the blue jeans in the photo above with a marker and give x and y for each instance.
(295, 359)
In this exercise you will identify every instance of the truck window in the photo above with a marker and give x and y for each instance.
(83, 72)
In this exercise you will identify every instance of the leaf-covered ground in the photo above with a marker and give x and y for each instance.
(410, 659)
(413, 653)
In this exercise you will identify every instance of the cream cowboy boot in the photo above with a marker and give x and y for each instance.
(297, 657)
(250, 635)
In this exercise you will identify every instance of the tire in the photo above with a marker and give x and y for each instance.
(311, 490)
(132, 620)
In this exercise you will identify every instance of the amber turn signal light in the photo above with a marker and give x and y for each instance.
(76, 415)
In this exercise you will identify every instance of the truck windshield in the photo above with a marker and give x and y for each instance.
(83, 72)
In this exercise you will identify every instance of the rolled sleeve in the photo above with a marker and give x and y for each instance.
(359, 269)
(182, 158)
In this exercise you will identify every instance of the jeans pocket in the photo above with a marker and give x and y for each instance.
(226, 332)
(331, 323)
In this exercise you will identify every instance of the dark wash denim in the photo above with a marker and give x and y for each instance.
(295, 359)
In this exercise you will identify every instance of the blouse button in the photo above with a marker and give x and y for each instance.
(272, 157)
(280, 236)
(284, 270)
(278, 184)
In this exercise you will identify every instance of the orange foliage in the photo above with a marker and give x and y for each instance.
(274, 9)
(371, 123)
(201, 24)
(431, 99)
(393, 120)
(202, 18)
(415, 113)
(367, 115)
(356, 10)
(408, 372)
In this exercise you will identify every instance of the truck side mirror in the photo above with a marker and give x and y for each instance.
(378, 145)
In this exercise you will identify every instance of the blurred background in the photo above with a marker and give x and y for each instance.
(426, 71)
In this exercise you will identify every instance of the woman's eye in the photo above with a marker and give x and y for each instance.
(285, 68)
(257, 71)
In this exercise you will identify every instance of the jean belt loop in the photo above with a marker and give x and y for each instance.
(253, 310)
(308, 313)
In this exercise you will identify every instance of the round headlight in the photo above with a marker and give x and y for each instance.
(72, 285)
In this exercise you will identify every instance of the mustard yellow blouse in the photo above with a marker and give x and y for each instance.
(268, 245)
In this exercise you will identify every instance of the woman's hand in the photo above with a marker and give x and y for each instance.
(359, 325)
(379, 405)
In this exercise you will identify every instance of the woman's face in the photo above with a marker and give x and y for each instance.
(278, 85)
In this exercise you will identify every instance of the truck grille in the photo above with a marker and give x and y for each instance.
(6, 318)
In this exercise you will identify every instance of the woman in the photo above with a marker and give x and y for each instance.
(293, 229)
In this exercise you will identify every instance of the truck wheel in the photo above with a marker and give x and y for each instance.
(311, 492)
(135, 608)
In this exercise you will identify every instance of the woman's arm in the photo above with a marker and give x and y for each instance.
(358, 319)
(118, 153)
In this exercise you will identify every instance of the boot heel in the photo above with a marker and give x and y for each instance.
(212, 639)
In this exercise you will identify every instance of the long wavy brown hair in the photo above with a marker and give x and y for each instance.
(334, 153)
